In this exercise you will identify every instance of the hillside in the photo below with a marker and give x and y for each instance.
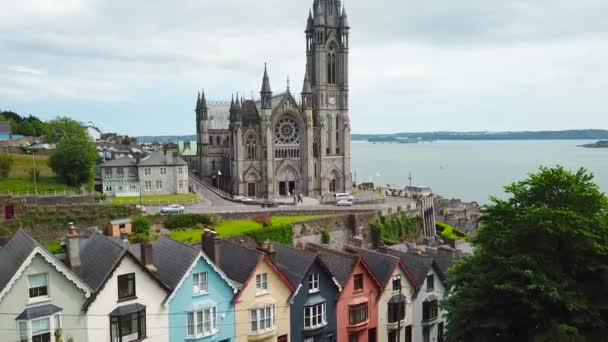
(19, 179)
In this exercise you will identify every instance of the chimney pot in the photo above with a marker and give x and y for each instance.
(147, 258)
(72, 243)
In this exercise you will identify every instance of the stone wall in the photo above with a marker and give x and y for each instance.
(341, 228)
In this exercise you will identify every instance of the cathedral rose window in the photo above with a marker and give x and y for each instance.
(287, 132)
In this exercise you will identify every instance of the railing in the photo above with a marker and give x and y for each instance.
(47, 193)
(153, 203)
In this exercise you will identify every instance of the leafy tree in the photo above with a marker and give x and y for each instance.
(6, 165)
(63, 127)
(141, 229)
(74, 160)
(540, 270)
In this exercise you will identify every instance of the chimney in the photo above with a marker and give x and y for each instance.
(268, 249)
(72, 247)
(211, 245)
(137, 158)
(146, 257)
(169, 155)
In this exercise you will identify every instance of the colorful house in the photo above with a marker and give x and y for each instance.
(428, 317)
(357, 305)
(395, 303)
(261, 306)
(39, 295)
(313, 303)
(200, 306)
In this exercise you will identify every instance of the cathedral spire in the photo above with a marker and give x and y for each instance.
(266, 93)
(265, 81)
(309, 22)
(344, 18)
(306, 88)
(203, 101)
(198, 103)
(237, 103)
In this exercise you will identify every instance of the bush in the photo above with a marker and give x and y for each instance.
(264, 220)
(6, 165)
(100, 197)
(281, 233)
(34, 174)
(325, 237)
(189, 220)
(392, 230)
(450, 232)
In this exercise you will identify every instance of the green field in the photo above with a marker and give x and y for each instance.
(19, 178)
(158, 199)
(236, 227)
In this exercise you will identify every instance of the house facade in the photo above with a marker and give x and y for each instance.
(313, 303)
(41, 294)
(357, 304)
(261, 306)
(159, 173)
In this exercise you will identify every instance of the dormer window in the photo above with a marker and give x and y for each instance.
(358, 282)
(430, 283)
(199, 283)
(313, 283)
(126, 286)
(261, 283)
(396, 282)
(39, 286)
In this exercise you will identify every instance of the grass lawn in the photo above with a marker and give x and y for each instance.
(158, 199)
(235, 227)
(451, 232)
(19, 178)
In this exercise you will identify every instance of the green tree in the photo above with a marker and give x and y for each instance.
(540, 270)
(63, 127)
(6, 165)
(74, 160)
(141, 229)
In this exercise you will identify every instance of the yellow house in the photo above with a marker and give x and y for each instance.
(261, 306)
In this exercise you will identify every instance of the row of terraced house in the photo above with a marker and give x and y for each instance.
(104, 289)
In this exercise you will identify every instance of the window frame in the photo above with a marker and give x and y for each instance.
(315, 316)
(358, 283)
(394, 313)
(261, 283)
(430, 282)
(430, 310)
(397, 281)
(118, 287)
(39, 297)
(203, 324)
(201, 290)
(314, 283)
(265, 315)
(360, 311)
(140, 316)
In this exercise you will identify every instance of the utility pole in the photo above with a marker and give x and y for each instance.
(399, 312)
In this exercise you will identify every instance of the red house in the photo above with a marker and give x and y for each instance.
(357, 303)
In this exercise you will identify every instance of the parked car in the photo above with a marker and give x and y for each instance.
(344, 203)
(173, 209)
(141, 208)
(343, 196)
(269, 204)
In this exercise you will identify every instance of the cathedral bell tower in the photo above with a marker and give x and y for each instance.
(327, 44)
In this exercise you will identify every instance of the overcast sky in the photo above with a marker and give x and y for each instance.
(135, 66)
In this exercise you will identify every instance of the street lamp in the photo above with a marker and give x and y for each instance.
(34, 175)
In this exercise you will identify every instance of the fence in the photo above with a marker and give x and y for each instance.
(39, 194)
(153, 203)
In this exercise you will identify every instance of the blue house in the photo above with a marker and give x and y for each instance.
(200, 306)
(313, 303)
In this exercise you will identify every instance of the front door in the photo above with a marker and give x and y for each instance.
(292, 188)
(282, 189)
(332, 185)
(251, 189)
(9, 212)
(371, 337)
(282, 338)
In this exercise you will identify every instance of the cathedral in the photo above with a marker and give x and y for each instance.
(283, 144)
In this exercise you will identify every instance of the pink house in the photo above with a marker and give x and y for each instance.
(357, 303)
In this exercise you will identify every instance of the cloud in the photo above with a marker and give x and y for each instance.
(415, 65)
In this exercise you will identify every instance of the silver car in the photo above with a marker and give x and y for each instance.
(173, 209)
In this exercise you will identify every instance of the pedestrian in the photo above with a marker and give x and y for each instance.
(300, 198)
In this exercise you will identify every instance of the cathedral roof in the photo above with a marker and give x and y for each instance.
(249, 111)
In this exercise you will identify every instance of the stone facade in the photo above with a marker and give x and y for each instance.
(277, 146)
(159, 173)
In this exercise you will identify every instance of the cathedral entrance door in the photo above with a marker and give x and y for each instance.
(332, 185)
(282, 189)
(250, 189)
(292, 187)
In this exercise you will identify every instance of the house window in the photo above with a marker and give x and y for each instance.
(147, 171)
(39, 285)
(148, 185)
(120, 172)
(108, 173)
(430, 282)
(392, 336)
(180, 170)
(41, 330)
(262, 319)
(261, 283)
(163, 171)
(430, 310)
(313, 283)
(396, 309)
(129, 327)
(426, 334)
(38, 330)
(353, 338)
(126, 286)
(397, 282)
(199, 283)
(202, 323)
(23, 334)
(181, 184)
(159, 185)
(330, 338)
(440, 337)
(357, 313)
(132, 172)
(358, 280)
(314, 316)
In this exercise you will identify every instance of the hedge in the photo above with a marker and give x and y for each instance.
(450, 232)
(281, 233)
(189, 220)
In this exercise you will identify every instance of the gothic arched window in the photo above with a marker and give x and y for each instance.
(251, 143)
(210, 140)
(218, 141)
(331, 67)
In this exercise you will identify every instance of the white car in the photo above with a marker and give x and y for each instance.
(173, 209)
(344, 203)
(141, 208)
(344, 196)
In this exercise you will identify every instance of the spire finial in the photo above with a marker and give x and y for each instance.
(265, 81)
(287, 83)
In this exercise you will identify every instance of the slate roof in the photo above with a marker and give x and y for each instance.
(418, 265)
(340, 264)
(172, 260)
(160, 159)
(382, 265)
(13, 254)
(249, 111)
(443, 261)
(237, 262)
(122, 161)
(293, 263)
(98, 256)
(38, 311)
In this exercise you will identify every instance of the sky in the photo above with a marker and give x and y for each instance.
(470, 65)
